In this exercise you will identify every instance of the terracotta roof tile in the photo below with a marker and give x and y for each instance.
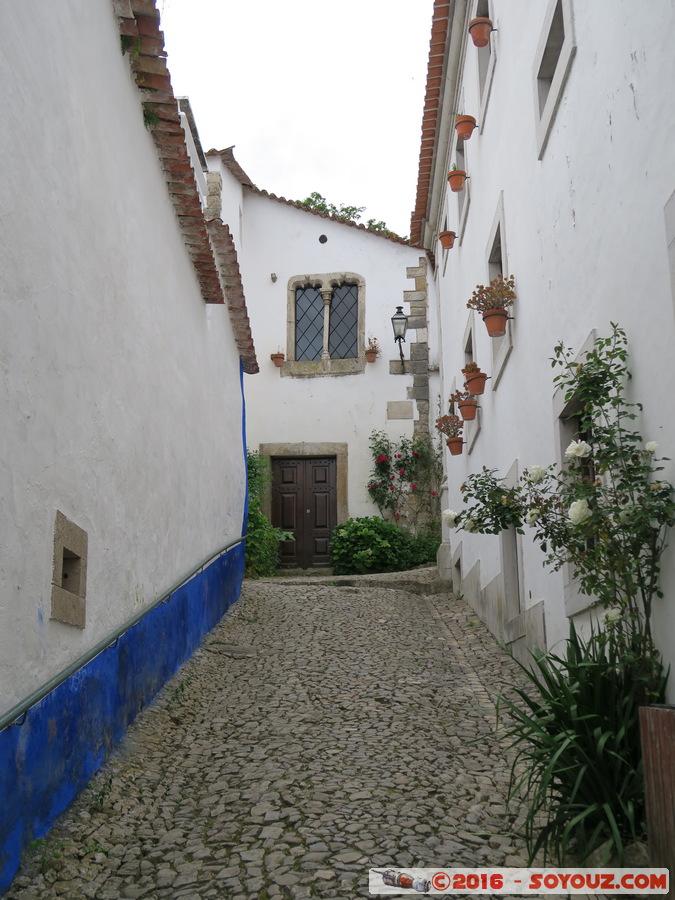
(206, 241)
(440, 24)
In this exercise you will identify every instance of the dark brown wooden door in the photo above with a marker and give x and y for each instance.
(304, 502)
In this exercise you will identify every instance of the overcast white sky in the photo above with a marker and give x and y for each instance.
(315, 95)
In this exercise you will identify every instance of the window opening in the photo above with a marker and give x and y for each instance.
(483, 54)
(342, 338)
(551, 56)
(308, 323)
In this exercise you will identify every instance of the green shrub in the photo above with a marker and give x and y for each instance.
(370, 544)
(578, 764)
(262, 542)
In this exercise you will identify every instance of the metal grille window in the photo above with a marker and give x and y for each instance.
(342, 338)
(334, 311)
(308, 323)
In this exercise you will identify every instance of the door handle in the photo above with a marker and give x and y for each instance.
(309, 511)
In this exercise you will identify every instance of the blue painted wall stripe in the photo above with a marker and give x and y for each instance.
(67, 736)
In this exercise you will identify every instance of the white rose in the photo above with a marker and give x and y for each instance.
(579, 512)
(449, 517)
(578, 450)
(532, 516)
(536, 474)
(613, 614)
(651, 446)
(626, 513)
(469, 525)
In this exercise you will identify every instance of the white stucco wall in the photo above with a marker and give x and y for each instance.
(119, 388)
(280, 239)
(585, 238)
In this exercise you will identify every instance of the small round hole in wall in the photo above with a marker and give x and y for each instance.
(322, 238)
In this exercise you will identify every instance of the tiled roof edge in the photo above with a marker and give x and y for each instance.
(231, 164)
(432, 113)
(139, 20)
(395, 238)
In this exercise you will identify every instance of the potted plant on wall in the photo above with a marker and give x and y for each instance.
(456, 177)
(277, 358)
(479, 29)
(464, 126)
(474, 379)
(447, 239)
(451, 427)
(493, 301)
(467, 403)
(372, 350)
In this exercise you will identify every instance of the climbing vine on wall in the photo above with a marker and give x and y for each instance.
(405, 480)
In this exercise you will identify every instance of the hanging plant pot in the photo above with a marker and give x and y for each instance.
(457, 178)
(465, 126)
(468, 409)
(475, 383)
(371, 355)
(495, 322)
(455, 445)
(447, 239)
(277, 359)
(480, 29)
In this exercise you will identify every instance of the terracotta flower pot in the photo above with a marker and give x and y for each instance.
(495, 322)
(447, 239)
(475, 383)
(465, 126)
(480, 29)
(371, 355)
(468, 409)
(455, 445)
(456, 178)
(277, 359)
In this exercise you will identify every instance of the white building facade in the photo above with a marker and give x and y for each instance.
(317, 290)
(571, 174)
(122, 354)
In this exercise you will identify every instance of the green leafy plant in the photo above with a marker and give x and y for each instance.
(319, 203)
(578, 758)
(605, 512)
(368, 544)
(499, 294)
(263, 539)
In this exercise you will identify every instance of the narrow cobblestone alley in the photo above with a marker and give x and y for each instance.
(322, 728)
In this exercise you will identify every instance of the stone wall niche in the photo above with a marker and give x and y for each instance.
(69, 572)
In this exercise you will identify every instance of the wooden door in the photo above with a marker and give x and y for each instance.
(304, 502)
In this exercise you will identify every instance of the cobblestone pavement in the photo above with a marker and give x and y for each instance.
(320, 730)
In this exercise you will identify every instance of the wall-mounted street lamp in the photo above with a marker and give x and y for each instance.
(399, 322)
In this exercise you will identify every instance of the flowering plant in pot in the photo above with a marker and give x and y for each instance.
(474, 378)
(452, 427)
(372, 349)
(467, 403)
(493, 301)
(456, 178)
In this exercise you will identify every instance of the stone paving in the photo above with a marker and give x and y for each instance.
(321, 729)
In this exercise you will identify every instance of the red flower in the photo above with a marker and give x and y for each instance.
(401, 471)
(391, 488)
(382, 458)
(413, 487)
(433, 493)
(415, 453)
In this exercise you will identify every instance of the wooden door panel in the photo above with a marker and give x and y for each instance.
(304, 502)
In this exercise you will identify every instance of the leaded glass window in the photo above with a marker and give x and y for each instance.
(308, 324)
(343, 315)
